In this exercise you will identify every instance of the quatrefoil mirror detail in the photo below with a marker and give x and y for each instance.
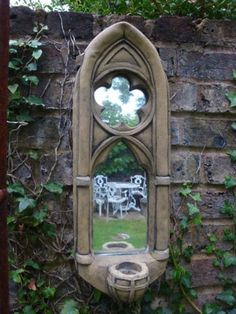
(121, 105)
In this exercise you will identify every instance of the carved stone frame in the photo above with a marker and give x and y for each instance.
(121, 50)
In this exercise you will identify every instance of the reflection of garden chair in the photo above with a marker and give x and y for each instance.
(100, 191)
(118, 200)
(140, 192)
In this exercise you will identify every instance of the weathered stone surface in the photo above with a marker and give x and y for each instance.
(185, 167)
(56, 91)
(21, 21)
(201, 132)
(174, 29)
(183, 96)
(56, 59)
(215, 167)
(193, 97)
(205, 66)
(212, 201)
(216, 33)
(62, 24)
(204, 274)
(212, 98)
(169, 60)
(198, 236)
(102, 22)
(44, 133)
(62, 172)
(207, 295)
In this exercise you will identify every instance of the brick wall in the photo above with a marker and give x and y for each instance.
(198, 57)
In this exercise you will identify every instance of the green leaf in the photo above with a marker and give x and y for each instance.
(34, 43)
(34, 100)
(49, 229)
(30, 79)
(13, 65)
(10, 219)
(229, 260)
(192, 209)
(212, 238)
(197, 219)
(37, 54)
(56, 188)
(196, 197)
(13, 88)
(184, 224)
(24, 116)
(228, 209)
(185, 190)
(70, 307)
(33, 155)
(28, 310)
(31, 263)
(234, 74)
(232, 98)
(16, 188)
(40, 216)
(16, 275)
(210, 308)
(25, 203)
(232, 155)
(229, 235)
(32, 66)
(233, 126)
(49, 292)
(230, 182)
(227, 297)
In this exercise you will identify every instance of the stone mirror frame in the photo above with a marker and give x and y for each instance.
(124, 52)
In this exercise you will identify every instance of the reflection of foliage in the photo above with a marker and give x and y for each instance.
(120, 161)
(113, 112)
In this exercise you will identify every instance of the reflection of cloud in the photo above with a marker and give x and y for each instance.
(135, 98)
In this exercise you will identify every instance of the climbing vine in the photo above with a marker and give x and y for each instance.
(36, 243)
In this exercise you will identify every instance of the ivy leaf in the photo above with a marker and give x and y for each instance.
(192, 209)
(227, 297)
(30, 79)
(32, 66)
(28, 310)
(232, 98)
(37, 54)
(25, 203)
(10, 219)
(16, 275)
(232, 155)
(228, 209)
(230, 182)
(49, 292)
(13, 88)
(229, 259)
(184, 223)
(31, 263)
(70, 307)
(52, 187)
(197, 197)
(185, 190)
(49, 230)
(24, 116)
(33, 155)
(16, 188)
(233, 126)
(39, 216)
(210, 308)
(34, 43)
(34, 100)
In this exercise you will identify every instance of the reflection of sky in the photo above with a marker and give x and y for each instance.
(113, 95)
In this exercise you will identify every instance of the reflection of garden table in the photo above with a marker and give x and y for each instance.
(129, 186)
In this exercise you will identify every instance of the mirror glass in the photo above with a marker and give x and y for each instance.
(119, 203)
(120, 104)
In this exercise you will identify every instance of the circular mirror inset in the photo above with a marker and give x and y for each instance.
(120, 104)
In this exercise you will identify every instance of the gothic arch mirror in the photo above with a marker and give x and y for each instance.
(121, 163)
